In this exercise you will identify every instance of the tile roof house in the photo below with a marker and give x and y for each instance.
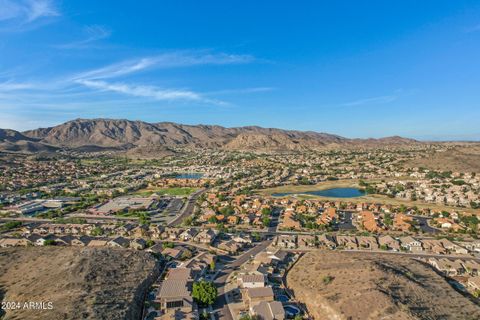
(119, 242)
(230, 246)
(206, 236)
(389, 242)
(253, 296)
(411, 244)
(446, 266)
(272, 310)
(349, 242)
(367, 242)
(369, 221)
(306, 241)
(188, 234)
(327, 241)
(251, 280)
(138, 244)
(175, 298)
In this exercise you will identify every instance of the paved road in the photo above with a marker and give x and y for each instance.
(347, 223)
(274, 222)
(187, 209)
(220, 307)
(423, 224)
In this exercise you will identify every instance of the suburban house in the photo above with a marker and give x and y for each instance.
(253, 296)
(206, 236)
(389, 242)
(446, 266)
(271, 310)
(119, 242)
(188, 234)
(348, 242)
(367, 242)
(174, 296)
(138, 244)
(286, 241)
(200, 264)
(326, 241)
(251, 280)
(411, 244)
(230, 246)
(306, 241)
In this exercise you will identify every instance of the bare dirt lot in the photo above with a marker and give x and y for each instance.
(80, 283)
(341, 285)
(464, 158)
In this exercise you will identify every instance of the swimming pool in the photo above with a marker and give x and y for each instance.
(291, 310)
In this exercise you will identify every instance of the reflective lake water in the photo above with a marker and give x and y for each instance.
(331, 193)
(189, 175)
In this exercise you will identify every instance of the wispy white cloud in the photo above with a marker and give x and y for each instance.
(26, 11)
(116, 70)
(148, 91)
(166, 60)
(14, 86)
(371, 101)
(112, 82)
(96, 78)
(242, 90)
(36, 9)
(93, 33)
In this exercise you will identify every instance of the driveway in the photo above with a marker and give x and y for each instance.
(220, 307)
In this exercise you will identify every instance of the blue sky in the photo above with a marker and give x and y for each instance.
(354, 68)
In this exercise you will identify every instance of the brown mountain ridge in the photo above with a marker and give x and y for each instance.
(111, 134)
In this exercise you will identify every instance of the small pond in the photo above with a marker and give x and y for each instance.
(189, 175)
(331, 193)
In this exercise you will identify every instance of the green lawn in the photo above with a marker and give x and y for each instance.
(177, 191)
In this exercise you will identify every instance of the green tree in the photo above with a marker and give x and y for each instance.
(248, 317)
(387, 219)
(11, 225)
(204, 292)
(168, 245)
(144, 218)
(188, 221)
(187, 254)
(150, 243)
(266, 212)
(212, 265)
(49, 242)
(256, 236)
(266, 221)
(97, 231)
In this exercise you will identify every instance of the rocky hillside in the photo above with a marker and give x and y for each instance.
(362, 286)
(81, 283)
(121, 135)
(14, 141)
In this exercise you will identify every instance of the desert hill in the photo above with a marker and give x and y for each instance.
(14, 141)
(121, 135)
(362, 286)
(81, 283)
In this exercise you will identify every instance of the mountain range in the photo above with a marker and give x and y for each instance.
(143, 137)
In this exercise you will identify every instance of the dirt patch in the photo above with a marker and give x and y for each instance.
(80, 283)
(336, 285)
(457, 159)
